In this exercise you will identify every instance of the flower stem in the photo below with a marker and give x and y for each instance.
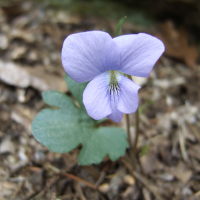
(128, 129)
(133, 152)
(137, 122)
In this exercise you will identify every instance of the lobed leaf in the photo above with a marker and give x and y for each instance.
(62, 130)
(76, 89)
(103, 141)
(58, 99)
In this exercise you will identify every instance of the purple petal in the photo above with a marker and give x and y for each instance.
(86, 55)
(96, 97)
(128, 100)
(139, 53)
(116, 115)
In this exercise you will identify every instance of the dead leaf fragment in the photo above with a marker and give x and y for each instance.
(19, 52)
(7, 146)
(13, 75)
(178, 44)
(150, 162)
(181, 173)
(25, 35)
(64, 17)
(3, 42)
(24, 77)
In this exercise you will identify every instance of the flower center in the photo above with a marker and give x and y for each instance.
(114, 84)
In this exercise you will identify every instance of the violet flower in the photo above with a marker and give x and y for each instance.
(104, 61)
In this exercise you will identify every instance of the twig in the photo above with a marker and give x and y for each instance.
(80, 192)
(140, 164)
(197, 194)
(148, 185)
(58, 172)
(181, 134)
(194, 130)
(40, 194)
(17, 189)
(143, 180)
(103, 174)
(78, 179)
(101, 178)
(34, 169)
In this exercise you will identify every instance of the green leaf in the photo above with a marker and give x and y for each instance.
(103, 141)
(144, 150)
(64, 128)
(63, 131)
(121, 21)
(76, 89)
(101, 120)
(57, 129)
(58, 99)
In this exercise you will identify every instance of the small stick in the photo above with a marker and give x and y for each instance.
(78, 179)
(80, 192)
(148, 185)
(181, 134)
(103, 174)
(194, 130)
(57, 171)
(17, 189)
(143, 180)
(40, 194)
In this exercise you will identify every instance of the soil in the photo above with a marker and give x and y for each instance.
(168, 150)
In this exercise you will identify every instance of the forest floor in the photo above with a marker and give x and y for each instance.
(168, 151)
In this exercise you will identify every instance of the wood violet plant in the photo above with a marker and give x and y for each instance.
(107, 63)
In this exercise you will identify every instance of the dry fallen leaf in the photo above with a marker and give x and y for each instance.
(178, 43)
(36, 77)
(150, 163)
(7, 146)
(181, 173)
